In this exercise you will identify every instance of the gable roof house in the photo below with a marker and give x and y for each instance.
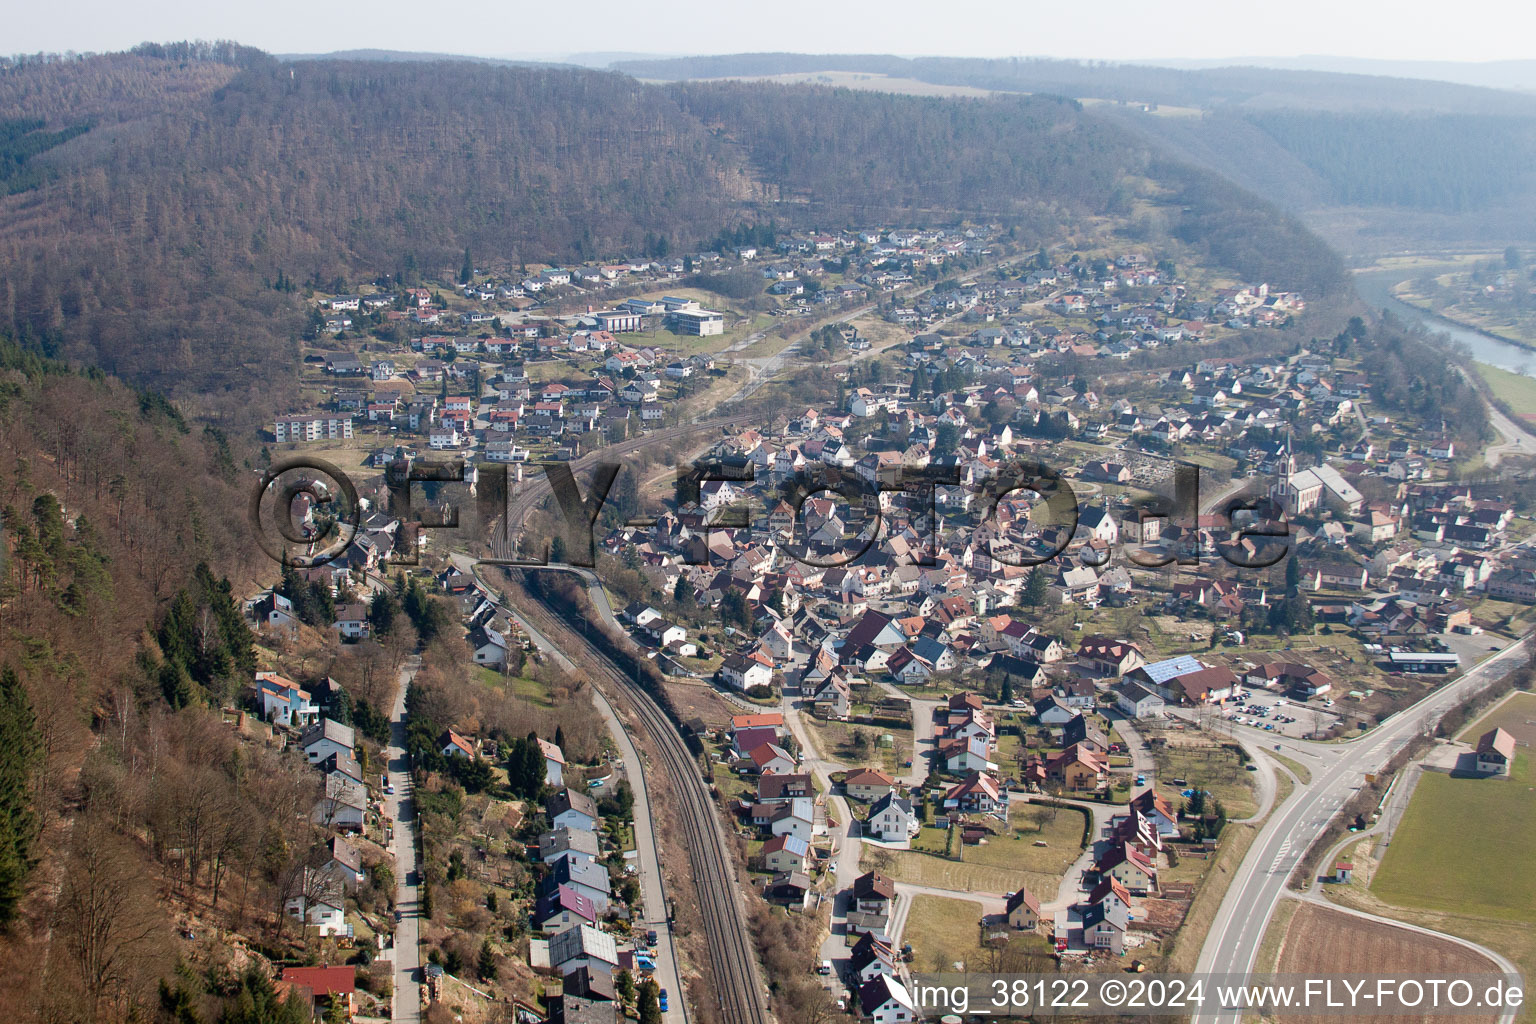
(1128, 866)
(785, 853)
(884, 1000)
(283, 701)
(584, 876)
(1495, 752)
(570, 809)
(868, 784)
(977, 793)
(872, 893)
(562, 909)
(1138, 700)
(1023, 910)
(583, 946)
(325, 738)
(892, 820)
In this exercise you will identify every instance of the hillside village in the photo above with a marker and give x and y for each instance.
(945, 663)
(523, 376)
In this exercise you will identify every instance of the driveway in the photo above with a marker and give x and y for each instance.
(922, 736)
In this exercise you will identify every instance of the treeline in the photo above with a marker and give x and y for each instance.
(1126, 83)
(1413, 375)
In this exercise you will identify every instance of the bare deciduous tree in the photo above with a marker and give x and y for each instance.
(107, 920)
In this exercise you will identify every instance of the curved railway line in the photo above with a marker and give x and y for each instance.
(535, 491)
(739, 991)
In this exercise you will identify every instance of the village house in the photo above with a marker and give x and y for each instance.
(570, 809)
(892, 820)
(562, 909)
(869, 784)
(872, 893)
(325, 738)
(977, 793)
(1023, 910)
(284, 702)
(785, 853)
(567, 841)
(583, 946)
(884, 1000)
(1495, 752)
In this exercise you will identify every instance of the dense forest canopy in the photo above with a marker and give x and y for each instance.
(1425, 162)
(145, 243)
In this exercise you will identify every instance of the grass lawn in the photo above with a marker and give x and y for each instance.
(1212, 888)
(1274, 936)
(1300, 770)
(528, 689)
(1513, 715)
(942, 931)
(840, 741)
(1205, 764)
(1514, 388)
(349, 456)
(1465, 836)
(1000, 865)
(1504, 616)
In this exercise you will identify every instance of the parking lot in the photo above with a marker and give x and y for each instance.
(1275, 713)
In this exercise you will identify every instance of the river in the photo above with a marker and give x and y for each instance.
(1375, 287)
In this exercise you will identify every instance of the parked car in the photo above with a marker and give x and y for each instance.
(662, 1002)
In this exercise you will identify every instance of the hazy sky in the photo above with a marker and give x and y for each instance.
(1106, 29)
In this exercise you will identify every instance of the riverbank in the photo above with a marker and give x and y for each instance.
(1402, 293)
(1515, 390)
(1375, 286)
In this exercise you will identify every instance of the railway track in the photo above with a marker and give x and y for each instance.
(503, 537)
(739, 992)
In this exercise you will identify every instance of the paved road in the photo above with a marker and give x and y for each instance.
(401, 809)
(1142, 762)
(923, 743)
(1517, 440)
(846, 842)
(1260, 881)
(652, 888)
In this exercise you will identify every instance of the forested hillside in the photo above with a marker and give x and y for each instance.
(186, 179)
(112, 508)
(1425, 162)
(1374, 163)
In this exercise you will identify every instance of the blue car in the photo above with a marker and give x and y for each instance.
(662, 1002)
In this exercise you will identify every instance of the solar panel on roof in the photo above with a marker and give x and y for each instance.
(1162, 671)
